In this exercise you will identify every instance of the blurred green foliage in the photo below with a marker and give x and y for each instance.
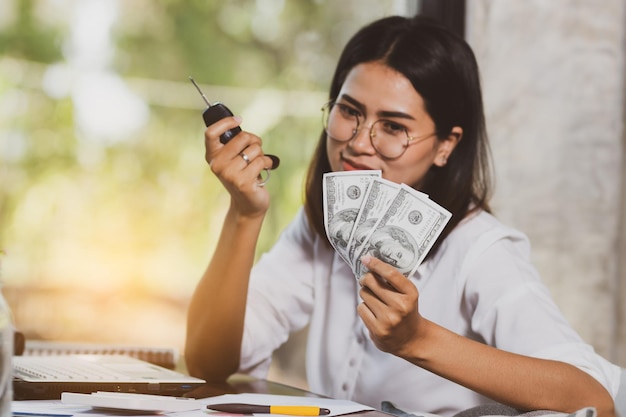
(138, 212)
(25, 37)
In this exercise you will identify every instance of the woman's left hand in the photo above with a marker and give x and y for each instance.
(390, 312)
(389, 308)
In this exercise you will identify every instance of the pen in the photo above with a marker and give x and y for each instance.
(291, 410)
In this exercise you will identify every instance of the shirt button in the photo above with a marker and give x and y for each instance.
(344, 387)
(359, 339)
(352, 362)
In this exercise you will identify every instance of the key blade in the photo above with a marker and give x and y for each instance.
(208, 103)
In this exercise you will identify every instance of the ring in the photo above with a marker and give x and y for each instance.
(264, 181)
(245, 157)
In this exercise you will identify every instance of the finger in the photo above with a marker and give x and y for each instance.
(368, 296)
(246, 140)
(231, 151)
(402, 298)
(387, 305)
(381, 319)
(372, 321)
(373, 284)
(228, 164)
(254, 163)
(378, 284)
(212, 133)
(391, 275)
(366, 314)
(248, 154)
(274, 160)
(217, 129)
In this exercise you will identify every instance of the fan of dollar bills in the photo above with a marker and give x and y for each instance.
(365, 214)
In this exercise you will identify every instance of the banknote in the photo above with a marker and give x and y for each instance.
(379, 195)
(343, 193)
(404, 234)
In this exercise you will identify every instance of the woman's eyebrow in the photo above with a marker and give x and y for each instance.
(397, 114)
(382, 113)
(353, 101)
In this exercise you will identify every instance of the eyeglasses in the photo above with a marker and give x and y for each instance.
(343, 122)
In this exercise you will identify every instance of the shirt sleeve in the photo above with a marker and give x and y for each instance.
(510, 302)
(280, 296)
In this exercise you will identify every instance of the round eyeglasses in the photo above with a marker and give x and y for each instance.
(343, 122)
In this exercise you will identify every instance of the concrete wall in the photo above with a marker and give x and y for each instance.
(553, 82)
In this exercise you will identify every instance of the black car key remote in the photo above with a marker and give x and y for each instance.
(217, 111)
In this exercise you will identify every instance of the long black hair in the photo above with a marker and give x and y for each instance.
(443, 70)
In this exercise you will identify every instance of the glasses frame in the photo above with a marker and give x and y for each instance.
(326, 110)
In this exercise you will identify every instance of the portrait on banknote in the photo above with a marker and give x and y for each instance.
(340, 227)
(393, 245)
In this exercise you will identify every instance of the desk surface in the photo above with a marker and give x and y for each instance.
(244, 384)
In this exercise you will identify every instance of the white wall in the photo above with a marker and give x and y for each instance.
(553, 82)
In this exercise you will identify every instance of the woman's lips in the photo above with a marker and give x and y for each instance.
(352, 166)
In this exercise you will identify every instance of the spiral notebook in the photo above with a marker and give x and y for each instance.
(46, 377)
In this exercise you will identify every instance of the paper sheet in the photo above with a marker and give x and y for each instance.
(45, 408)
(55, 408)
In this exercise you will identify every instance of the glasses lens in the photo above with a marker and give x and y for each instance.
(340, 121)
(389, 139)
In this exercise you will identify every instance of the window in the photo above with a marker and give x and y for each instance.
(108, 212)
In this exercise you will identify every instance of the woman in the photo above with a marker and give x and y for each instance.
(473, 325)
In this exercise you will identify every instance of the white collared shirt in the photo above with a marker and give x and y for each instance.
(480, 284)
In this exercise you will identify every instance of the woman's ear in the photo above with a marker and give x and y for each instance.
(447, 145)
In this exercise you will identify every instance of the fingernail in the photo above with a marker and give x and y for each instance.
(365, 259)
(275, 161)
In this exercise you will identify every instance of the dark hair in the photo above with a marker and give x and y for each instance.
(443, 70)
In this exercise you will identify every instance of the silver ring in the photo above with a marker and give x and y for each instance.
(245, 157)
(267, 178)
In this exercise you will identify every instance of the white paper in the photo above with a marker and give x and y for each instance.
(131, 401)
(45, 408)
(55, 408)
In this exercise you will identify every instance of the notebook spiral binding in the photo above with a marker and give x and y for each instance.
(165, 357)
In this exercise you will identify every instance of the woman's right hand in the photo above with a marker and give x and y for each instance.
(219, 302)
(240, 177)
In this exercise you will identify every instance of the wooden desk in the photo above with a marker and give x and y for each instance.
(243, 384)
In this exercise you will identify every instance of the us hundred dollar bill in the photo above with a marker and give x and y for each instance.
(343, 193)
(405, 233)
(378, 197)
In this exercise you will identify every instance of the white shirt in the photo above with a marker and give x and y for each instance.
(480, 284)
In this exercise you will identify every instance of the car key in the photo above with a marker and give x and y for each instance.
(218, 111)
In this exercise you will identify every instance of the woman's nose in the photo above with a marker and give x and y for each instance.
(361, 142)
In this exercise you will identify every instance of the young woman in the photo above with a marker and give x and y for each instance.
(474, 325)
